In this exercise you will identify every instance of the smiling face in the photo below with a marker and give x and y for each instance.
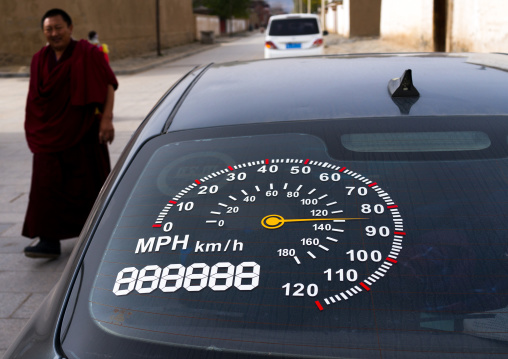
(57, 32)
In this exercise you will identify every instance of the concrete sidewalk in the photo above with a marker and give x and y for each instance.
(336, 44)
(137, 64)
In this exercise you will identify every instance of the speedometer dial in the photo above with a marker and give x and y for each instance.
(306, 229)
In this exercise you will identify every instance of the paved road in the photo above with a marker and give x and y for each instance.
(25, 282)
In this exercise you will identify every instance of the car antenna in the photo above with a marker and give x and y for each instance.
(403, 86)
(403, 92)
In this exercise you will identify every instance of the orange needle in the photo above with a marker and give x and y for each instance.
(274, 221)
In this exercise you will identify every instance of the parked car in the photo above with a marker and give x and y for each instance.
(294, 35)
(360, 215)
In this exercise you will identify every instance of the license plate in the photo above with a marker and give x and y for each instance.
(293, 46)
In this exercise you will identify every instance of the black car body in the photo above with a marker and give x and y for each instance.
(328, 207)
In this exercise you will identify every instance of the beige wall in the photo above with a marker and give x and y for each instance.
(479, 26)
(408, 22)
(207, 23)
(342, 19)
(127, 26)
(472, 25)
(236, 25)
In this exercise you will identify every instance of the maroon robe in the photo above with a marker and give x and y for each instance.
(62, 131)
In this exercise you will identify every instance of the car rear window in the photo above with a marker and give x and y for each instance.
(327, 241)
(292, 27)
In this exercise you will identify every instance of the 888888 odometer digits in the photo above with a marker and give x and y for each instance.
(303, 232)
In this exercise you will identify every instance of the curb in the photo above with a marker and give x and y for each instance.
(119, 69)
(14, 74)
(160, 61)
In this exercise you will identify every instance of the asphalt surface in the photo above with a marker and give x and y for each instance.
(25, 282)
(334, 44)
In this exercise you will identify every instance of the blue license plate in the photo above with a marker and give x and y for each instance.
(293, 46)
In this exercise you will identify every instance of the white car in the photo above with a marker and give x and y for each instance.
(294, 35)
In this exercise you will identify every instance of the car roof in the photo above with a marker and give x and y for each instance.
(343, 86)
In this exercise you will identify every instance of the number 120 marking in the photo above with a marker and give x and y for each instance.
(299, 289)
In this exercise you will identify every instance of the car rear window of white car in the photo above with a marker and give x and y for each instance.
(294, 27)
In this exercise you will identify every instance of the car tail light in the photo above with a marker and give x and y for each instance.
(317, 43)
(270, 45)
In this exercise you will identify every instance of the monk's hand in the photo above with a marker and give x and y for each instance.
(106, 129)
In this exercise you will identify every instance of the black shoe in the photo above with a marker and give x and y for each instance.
(43, 249)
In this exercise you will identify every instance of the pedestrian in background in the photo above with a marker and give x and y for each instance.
(69, 79)
(93, 38)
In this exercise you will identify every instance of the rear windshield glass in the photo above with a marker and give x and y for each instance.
(319, 243)
(291, 27)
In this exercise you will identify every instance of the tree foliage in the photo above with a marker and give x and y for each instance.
(314, 5)
(226, 9)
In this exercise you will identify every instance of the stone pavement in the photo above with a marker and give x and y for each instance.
(24, 282)
(336, 44)
(135, 64)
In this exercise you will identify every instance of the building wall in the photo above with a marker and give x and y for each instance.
(408, 22)
(479, 26)
(353, 18)
(236, 25)
(127, 26)
(207, 23)
(471, 25)
(343, 24)
(364, 17)
(337, 19)
(331, 23)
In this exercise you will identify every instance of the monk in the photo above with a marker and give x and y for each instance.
(68, 124)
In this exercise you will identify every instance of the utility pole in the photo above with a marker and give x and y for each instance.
(323, 10)
(230, 2)
(158, 27)
(308, 6)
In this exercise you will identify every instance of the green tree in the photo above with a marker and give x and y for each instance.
(225, 9)
(314, 5)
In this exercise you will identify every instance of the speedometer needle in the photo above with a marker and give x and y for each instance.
(274, 221)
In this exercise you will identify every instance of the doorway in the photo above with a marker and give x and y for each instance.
(440, 24)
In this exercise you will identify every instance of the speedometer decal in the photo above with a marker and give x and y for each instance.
(325, 212)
